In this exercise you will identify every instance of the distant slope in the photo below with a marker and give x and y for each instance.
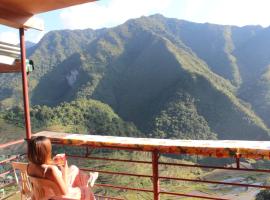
(254, 59)
(258, 94)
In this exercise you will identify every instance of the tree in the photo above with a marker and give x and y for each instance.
(263, 195)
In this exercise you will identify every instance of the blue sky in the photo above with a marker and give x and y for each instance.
(109, 13)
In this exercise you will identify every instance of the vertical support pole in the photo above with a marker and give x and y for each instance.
(237, 161)
(25, 86)
(156, 188)
(87, 152)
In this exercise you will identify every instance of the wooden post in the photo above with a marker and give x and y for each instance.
(25, 86)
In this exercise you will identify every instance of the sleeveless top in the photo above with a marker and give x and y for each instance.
(44, 193)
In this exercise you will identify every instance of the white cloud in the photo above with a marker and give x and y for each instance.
(9, 37)
(233, 12)
(34, 35)
(96, 15)
(12, 36)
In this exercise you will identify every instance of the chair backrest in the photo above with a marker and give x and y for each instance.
(42, 188)
(23, 182)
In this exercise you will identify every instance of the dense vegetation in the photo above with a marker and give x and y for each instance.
(182, 108)
(263, 195)
(81, 116)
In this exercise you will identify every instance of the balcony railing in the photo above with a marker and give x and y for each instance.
(155, 148)
(7, 184)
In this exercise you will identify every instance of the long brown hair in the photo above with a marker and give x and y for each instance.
(39, 150)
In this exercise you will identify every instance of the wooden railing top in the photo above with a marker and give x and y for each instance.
(212, 148)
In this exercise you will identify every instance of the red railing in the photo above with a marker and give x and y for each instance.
(155, 177)
(6, 145)
(7, 183)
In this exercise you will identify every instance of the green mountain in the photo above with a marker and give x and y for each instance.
(171, 78)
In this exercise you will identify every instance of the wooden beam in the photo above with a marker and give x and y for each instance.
(20, 13)
(38, 6)
(19, 20)
(4, 68)
(34, 23)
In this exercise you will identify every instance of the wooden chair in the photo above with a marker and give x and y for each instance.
(33, 188)
(23, 182)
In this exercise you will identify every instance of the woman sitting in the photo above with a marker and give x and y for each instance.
(71, 181)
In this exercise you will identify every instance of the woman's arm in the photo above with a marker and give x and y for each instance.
(60, 179)
(64, 170)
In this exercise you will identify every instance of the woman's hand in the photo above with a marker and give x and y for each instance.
(64, 170)
(64, 167)
(59, 159)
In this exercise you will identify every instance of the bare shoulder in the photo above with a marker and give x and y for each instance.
(33, 170)
(51, 171)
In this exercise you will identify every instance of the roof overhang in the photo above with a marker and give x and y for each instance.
(20, 13)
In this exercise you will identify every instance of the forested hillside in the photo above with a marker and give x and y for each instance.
(80, 116)
(164, 77)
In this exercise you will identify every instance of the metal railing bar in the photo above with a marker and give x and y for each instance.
(109, 198)
(8, 159)
(116, 173)
(11, 143)
(216, 167)
(215, 182)
(6, 172)
(11, 158)
(123, 188)
(8, 184)
(191, 195)
(111, 159)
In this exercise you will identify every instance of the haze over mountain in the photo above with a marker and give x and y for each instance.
(171, 78)
(29, 44)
